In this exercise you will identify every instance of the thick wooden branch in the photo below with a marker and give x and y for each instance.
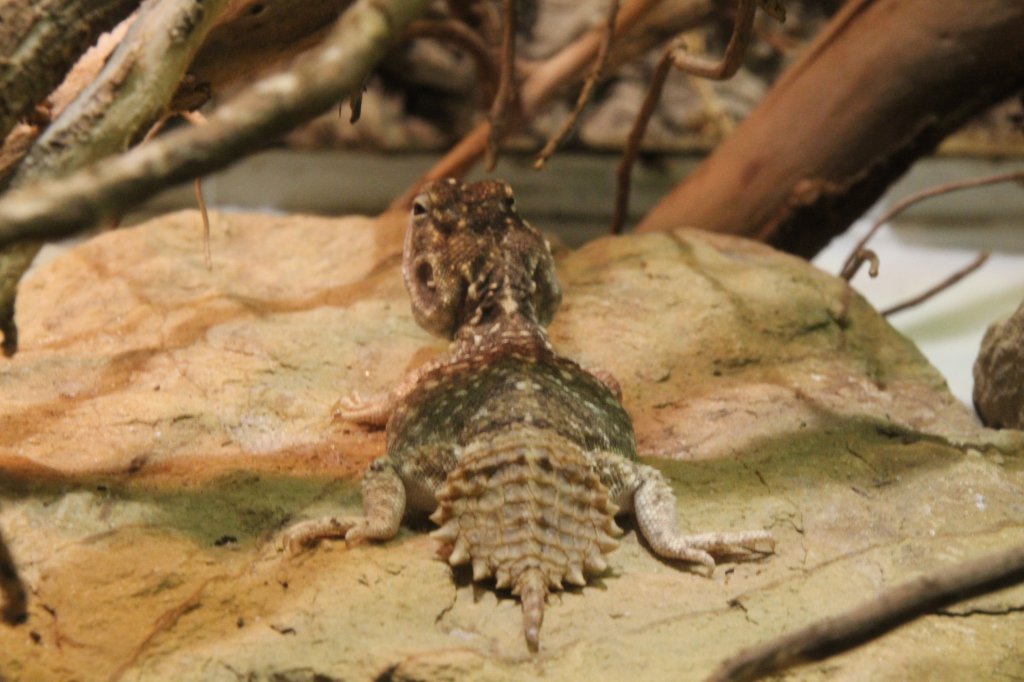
(115, 110)
(130, 94)
(261, 112)
(40, 40)
(881, 86)
(252, 38)
(880, 615)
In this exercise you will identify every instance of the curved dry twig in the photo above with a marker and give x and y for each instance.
(859, 257)
(940, 287)
(506, 84)
(886, 612)
(676, 56)
(462, 36)
(850, 267)
(563, 68)
(588, 87)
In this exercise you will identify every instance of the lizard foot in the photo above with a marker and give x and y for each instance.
(703, 548)
(655, 508)
(355, 408)
(305, 534)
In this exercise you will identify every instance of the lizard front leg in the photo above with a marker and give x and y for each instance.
(655, 508)
(376, 411)
(383, 508)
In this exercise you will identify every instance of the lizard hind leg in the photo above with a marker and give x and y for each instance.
(656, 514)
(383, 507)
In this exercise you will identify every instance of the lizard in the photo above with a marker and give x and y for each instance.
(522, 457)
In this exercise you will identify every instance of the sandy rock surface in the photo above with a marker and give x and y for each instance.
(999, 374)
(163, 423)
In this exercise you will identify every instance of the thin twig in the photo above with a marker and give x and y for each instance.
(355, 105)
(588, 87)
(506, 85)
(196, 118)
(859, 258)
(11, 588)
(268, 108)
(624, 172)
(850, 269)
(207, 256)
(886, 612)
(941, 286)
(676, 56)
(454, 31)
(558, 71)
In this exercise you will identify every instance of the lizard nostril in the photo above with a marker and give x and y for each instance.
(425, 275)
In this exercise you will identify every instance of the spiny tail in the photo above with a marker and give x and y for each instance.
(532, 589)
(526, 508)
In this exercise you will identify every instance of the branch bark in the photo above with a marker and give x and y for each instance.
(252, 38)
(263, 111)
(130, 94)
(40, 41)
(881, 615)
(881, 86)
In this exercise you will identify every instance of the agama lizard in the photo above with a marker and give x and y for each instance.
(523, 457)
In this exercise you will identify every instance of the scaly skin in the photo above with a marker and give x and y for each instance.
(523, 457)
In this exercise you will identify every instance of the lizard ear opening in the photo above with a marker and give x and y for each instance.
(434, 303)
(425, 276)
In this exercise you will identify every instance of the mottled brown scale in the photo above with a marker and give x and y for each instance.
(523, 457)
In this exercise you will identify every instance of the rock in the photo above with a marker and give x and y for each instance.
(999, 374)
(163, 422)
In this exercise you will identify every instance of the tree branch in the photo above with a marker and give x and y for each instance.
(641, 25)
(588, 87)
(130, 94)
(506, 94)
(940, 287)
(891, 609)
(487, 70)
(40, 41)
(267, 109)
(116, 109)
(854, 260)
(849, 117)
(676, 56)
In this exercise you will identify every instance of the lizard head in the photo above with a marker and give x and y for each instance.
(469, 259)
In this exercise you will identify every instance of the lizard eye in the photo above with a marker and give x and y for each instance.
(419, 207)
